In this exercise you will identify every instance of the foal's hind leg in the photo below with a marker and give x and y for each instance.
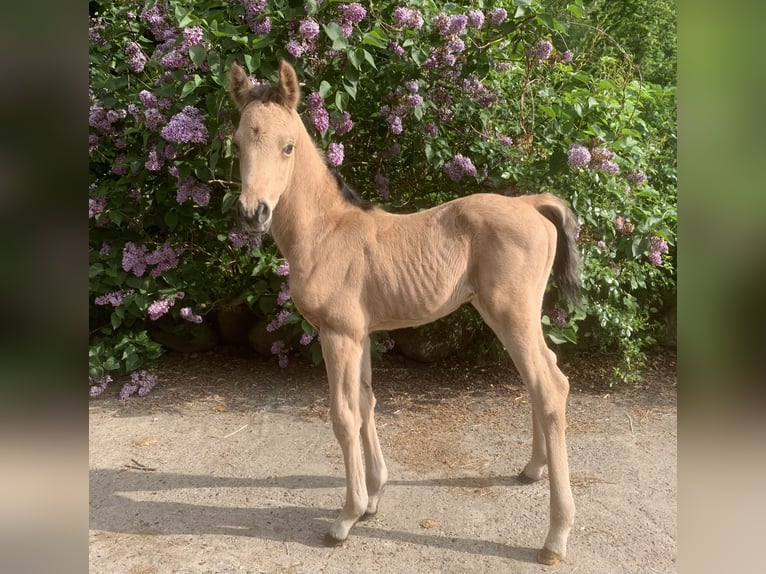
(533, 471)
(343, 359)
(520, 331)
(376, 473)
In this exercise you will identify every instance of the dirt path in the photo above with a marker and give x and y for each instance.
(230, 465)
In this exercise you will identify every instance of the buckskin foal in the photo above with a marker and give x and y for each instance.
(356, 269)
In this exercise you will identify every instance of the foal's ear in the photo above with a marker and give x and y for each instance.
(239, 86)
(289, 89)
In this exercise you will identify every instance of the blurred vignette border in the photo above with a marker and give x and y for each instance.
(722, 273)
(43, 238)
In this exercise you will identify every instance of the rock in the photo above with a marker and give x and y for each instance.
(184, 337)
(260, 339)
(440, 339)
(235, 321)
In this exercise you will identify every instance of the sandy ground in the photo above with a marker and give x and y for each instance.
(230, 465)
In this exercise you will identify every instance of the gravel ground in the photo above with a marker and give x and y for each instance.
(230, 465)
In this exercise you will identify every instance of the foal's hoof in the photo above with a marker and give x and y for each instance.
(548, 557)
(522, 478)
(331, 542)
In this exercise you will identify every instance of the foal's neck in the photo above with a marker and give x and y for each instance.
(309, 207)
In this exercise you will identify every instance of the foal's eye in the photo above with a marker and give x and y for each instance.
(288, 149)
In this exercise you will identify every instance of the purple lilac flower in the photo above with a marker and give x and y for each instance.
(95, 28)
(309, 29)
(352, 13)
(102, 120)
(105, 248)
(145, 381)
(284, 294)
(459, 166)
(566, 57)
(160, 307)
(578, 156)
(395, 124)
(141, 382)
(188, 315)
(541, 52)
(497, 16)
(278, 321)
(190, 188)
(92, 142)
(96, 205)
(381, 182)
(186, 126)
(558, 316)
(279, 349)
(636, 177)
(450, 25)
(407, 18)
(164, 259)
(602, 159)
(294, 48)
(475, 19)
(396, 48)
(155, 20)
(155, 162)
(253, 7)
(345, 124)
(134, 259)
(115, 298)
(431, 128)
(260, 26)
(240, 238)
(657, 246)
(283, 269)
(135, 56)
(320, 119)
(623, 225)
(601, 244)
(193, 35)
(97, 386)
(307, 338)
(335, 154)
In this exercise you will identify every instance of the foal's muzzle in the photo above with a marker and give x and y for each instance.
(258, 220)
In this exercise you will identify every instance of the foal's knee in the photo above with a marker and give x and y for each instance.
(345, 424)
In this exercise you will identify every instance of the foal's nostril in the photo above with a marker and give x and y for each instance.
(262, 212)
(260, 218)
(241, 211)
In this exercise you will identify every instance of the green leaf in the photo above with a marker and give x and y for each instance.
(197, 54)
(324, 89)
(95, 270)
(132, 361)
(376, 38)
(171, 219)
(350, 87)
(229, 198)
(341, 100)
(188, 88)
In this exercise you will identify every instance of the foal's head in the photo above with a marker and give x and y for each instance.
(265, 140)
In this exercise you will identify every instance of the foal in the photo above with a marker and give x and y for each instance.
(356, 269)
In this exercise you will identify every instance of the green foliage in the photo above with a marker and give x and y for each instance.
(423, 101)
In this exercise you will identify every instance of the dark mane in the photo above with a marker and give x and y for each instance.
(350, 195)
(265, 93)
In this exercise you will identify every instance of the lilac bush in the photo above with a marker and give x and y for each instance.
(414, 104)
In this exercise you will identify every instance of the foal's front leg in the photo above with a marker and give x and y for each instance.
(343, 360)
(375, 467)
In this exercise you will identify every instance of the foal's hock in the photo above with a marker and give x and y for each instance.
(356, 269)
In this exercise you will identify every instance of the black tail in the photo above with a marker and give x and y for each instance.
(566, 265)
